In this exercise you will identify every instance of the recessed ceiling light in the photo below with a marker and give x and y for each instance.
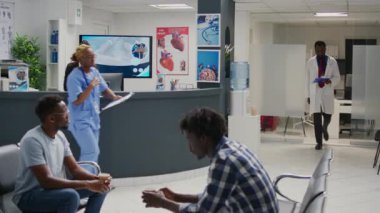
(342, 14)
(171, 6)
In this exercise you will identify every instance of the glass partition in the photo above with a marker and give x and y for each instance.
(276, 75)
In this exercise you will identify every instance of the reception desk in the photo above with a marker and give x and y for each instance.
(139, 137)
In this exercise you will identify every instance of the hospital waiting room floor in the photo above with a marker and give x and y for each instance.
(353, 185)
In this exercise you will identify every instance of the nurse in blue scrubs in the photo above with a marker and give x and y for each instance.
(85, 86)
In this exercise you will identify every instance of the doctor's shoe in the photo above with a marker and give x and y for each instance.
(318, 146)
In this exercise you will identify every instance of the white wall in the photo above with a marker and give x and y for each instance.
(31, 18)
(242, 35)
(146, 24)
(332, 35)
(94, 22)
(260, 33)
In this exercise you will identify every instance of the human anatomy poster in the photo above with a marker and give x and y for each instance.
(172, 50)
(6, 29)
(208, 30)
(208, 69)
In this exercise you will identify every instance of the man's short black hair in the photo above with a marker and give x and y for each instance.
(204, 122)
(319, 44)
(47, 105)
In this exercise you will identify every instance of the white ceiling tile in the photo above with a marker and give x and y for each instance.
(364, 8)
(329, 8)
(253, 7)
(247, 1)
(326, 1)
(277, 11)
(364, 2)
(290, 8)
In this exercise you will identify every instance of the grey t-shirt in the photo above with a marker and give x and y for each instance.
(37, 148)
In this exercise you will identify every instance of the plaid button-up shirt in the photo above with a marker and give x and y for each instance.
(237, 182)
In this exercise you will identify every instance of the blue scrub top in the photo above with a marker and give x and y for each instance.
(88, 112)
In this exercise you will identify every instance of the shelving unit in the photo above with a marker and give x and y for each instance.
(55, 70)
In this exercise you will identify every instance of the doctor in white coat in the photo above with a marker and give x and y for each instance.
(322, 74)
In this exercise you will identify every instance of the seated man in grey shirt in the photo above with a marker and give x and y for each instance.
(41, 184)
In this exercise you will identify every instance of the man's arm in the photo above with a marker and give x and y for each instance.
(181, 198)
(48, 181)
(218, 189)
(157, 199)
(78, 172)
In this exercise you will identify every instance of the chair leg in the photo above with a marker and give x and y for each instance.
(286, 125)
(378, 170)
(303, 127)
(376, 155)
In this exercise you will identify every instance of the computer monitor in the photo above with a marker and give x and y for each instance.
(130, 55)
(113, 80)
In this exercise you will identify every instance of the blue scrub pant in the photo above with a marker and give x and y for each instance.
(60, 200)
(88, 141)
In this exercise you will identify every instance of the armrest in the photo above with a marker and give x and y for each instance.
(91, 164)
(280, 177)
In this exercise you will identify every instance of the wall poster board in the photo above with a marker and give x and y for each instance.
(208, 66)
(208, 30)
(172, 52)
(6, 29)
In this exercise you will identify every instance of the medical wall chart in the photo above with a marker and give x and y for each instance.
(6, 29)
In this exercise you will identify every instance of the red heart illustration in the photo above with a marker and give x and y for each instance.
(177, 41)
(167, 63)
(178, 44)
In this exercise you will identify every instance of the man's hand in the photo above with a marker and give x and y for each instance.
(98, 185)
(169, 194)
(328, 81)
(153, 198)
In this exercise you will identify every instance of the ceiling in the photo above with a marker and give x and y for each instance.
(361, 12)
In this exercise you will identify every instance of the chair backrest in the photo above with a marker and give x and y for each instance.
(314, 198)
(317, 205)
(323, 166)
(315, 191)
(9, 161)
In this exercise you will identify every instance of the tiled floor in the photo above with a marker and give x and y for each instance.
(354, 185)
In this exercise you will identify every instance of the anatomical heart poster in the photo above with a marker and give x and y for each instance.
(172, 50)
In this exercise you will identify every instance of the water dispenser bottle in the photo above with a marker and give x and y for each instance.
(239, 75)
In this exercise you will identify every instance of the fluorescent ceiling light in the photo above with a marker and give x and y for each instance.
(330, 14)
(171, 6)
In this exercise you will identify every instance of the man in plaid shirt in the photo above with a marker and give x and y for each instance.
(237, 182)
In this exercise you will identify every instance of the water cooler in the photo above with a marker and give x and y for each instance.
(242, 126)
(239, 88)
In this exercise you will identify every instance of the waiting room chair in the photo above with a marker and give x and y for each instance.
(377, 138)
(314, 198)
(9, 161)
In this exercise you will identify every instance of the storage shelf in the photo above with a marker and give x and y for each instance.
(55, 70)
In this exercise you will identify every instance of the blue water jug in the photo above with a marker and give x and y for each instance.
(239, 75)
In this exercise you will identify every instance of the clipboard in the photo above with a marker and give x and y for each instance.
(119, 101)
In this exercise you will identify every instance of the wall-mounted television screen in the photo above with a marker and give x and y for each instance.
(130, 55)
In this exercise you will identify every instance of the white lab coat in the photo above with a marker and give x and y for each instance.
(321, 98)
